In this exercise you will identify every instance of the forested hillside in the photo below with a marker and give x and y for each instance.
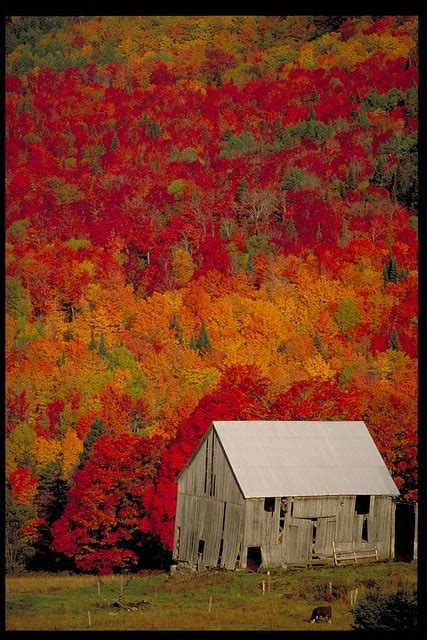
(207, 218)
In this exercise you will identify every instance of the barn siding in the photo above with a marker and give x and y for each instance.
(205, 486)
(315, 507)
(211, 507)
(298, 540)
(262, 527)
(380, 525)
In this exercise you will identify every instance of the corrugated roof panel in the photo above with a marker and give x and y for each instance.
(301, 458)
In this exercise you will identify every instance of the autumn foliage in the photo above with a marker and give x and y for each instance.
(209, 217)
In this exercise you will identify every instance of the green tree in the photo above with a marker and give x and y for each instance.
(347, 315)
(312, 113)
(174, 324)
(363, 116)
(294, 178)
(314, 98)
(102, 347)
(241, 191)
(97, 429)
(18, 302)
(278, 132)
(18, 549)
(92, 343)
(17, 230)
(203, 342)
(50, 502)
(394, 340)
(386, 612)
(391, 271)
(114, 142)
(351, 181)
(319, 346)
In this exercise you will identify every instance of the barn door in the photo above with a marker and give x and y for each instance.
(299, 540)
(325, 535)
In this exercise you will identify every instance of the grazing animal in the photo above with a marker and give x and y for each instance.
(321, 612)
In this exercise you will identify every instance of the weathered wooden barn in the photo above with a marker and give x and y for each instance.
(276, 493)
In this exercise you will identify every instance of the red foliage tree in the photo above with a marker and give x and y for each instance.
(241, 396)
(100, 524)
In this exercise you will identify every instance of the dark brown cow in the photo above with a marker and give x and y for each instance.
(321, 612)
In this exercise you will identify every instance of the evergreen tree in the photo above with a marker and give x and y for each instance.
(92, 343)
(391, 271)
(174, 324)
(351, 181)
(278, 132)
(314, 97)
(250, 267)
(393, 186)
(50, 501)
(345, 233)
(203, 342)
(97, 429)
(102, 347)
(380, 176)
(319, 346)
(312, 113)
(241, 191)
(319, 235)
(394, 340)
(193, 343)
(384, 612)
(114, 142)
(363, 116)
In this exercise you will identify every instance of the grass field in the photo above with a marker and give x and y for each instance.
(211, 600)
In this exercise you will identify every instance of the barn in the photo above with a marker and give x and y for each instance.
(280, 493)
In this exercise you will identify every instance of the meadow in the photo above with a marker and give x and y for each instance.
(213, 600)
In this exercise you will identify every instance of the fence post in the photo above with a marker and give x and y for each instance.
(89, 620)
(99, 586)
(210, 603)
(263, 587)
(268, 580)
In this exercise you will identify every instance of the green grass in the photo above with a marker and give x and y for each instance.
(181, 601)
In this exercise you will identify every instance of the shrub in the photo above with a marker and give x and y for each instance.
(385, 612)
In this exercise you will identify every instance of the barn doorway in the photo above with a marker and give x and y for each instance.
(254, 559)
(404, 532)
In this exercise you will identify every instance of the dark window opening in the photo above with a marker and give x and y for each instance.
(254, 560)
(404, 532)
(365, 530)
(292, 507)
(201, 547)
(283, 512)
(223, 516)
(269, 504)
(313, 540)
(362, 505)
(314, 521)
(212, 480)
(221, 547)
(206, 466)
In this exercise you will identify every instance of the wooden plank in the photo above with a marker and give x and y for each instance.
(315, 507)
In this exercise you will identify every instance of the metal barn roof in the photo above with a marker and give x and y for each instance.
(278, 458)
